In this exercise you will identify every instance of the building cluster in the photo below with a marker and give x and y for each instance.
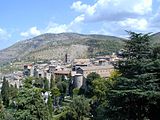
(14, 79)
(76, 70)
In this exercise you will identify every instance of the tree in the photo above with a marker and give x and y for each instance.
(138, 68)
(79, 109)
(38, 82)
(4, 115)
(101, 88)
(30, 105)
(50, 105)
(46, 84)
(28, 82)
(75, 91)
(13, 91)
(1, 110)
(136, 93)
(55, 92)
(89, 87)
(52, 83)
(5, 92)
(62, 86)
(155, 64)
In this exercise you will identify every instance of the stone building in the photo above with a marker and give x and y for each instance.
(81, 73)
(103, 71)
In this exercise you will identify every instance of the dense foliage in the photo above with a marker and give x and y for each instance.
(136, 93)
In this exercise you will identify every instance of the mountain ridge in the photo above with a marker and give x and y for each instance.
(54, 46)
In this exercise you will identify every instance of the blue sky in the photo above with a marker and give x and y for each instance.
(22, 19)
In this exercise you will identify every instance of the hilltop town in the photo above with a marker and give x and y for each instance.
(74, 69)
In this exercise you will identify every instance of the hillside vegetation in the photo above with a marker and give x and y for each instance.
(54, 46)
(156, 39)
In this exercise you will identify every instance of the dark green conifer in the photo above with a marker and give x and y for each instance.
(136, 94)
(5, 92)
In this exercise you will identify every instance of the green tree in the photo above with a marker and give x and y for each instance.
(75, 91)
(38, 82)
(79, 109)
(101, 88)
(136, 93)
(62, 86)
(55, 92)
(1, 110)
(4, 114)
(5, 92)
(46, 84)
(30, 105)
(13, 91)
(89, 87)
(50, 106)
(52, 83)
(28, 82)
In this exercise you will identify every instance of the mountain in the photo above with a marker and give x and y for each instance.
(55, 46)
(155, 38)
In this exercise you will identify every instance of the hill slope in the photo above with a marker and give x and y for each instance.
(54, 46)
(155, 39)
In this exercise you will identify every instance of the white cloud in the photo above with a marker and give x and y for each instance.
(88, 9)
(113, 10)
(24, 34)
(116, 16)
(78, 19)
(4, 35)
(33, 31)
(56, 28)
(112, 17)
(73, 26)
(139, 24)
(52, 27)
(143, 7)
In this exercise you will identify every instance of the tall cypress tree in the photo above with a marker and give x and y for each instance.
(52, 83)
(50, 106)
(46, 84)
(136, 95)
(1, 110)
(5, 92)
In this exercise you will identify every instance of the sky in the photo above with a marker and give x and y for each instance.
(23, 19)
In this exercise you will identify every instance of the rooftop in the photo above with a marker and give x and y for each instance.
(96, 67)
(63, 72)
